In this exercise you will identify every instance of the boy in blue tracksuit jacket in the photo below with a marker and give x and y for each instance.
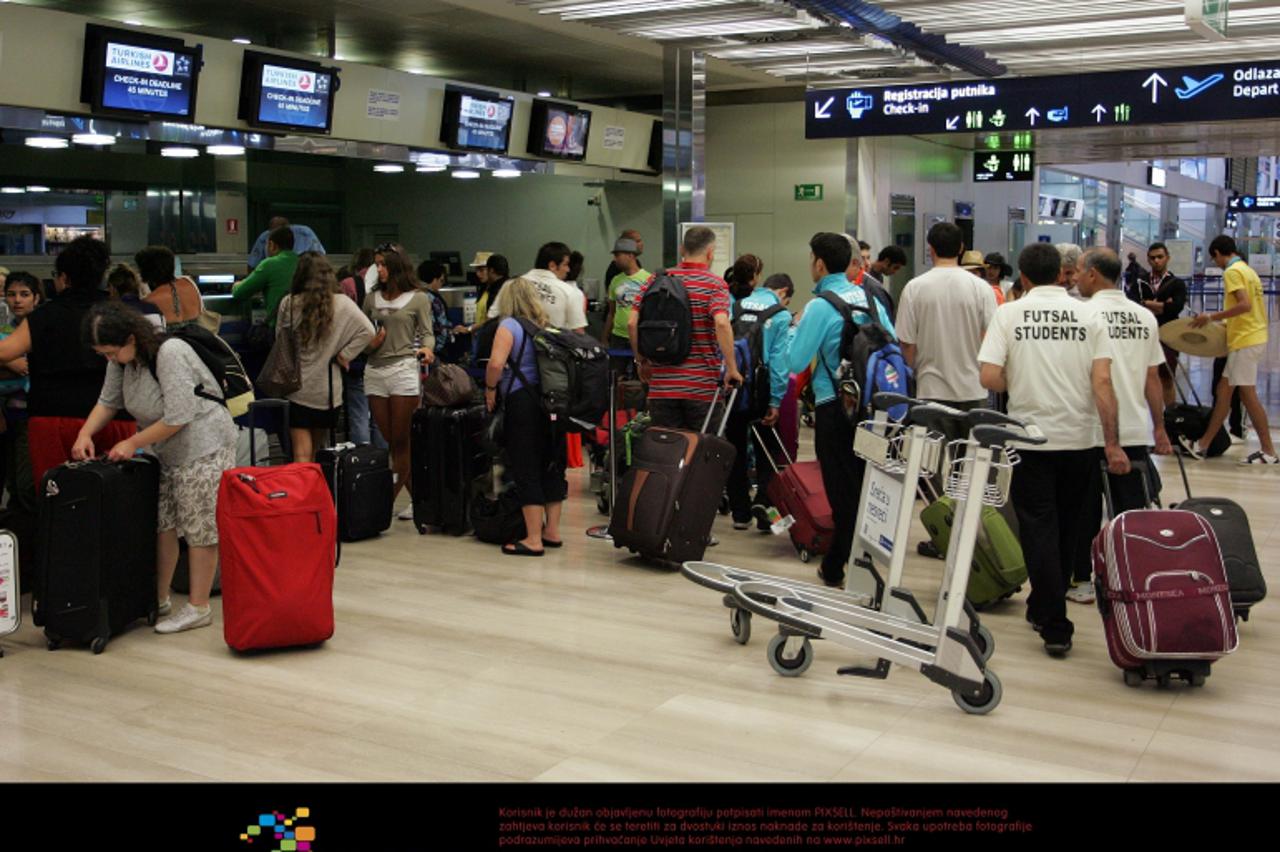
(818, 335)
(776, 291)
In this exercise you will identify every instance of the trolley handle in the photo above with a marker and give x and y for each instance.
(884, 401)
(997, 436)
(990, 417)
(931, 414)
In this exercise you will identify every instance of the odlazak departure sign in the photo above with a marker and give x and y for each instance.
(1224, 92)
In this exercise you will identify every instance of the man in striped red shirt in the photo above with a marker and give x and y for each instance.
(680, 395)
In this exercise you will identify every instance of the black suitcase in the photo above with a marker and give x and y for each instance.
(362, 486)
(1192, 420)
(1235, 540)
(668, 500)
(447, 457)
(97, 535)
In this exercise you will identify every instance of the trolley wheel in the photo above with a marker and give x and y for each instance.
(54, 643)
(785, 667)
(986, 642)
(805, 555)
(724, 505)
(1133, 677)
(740, 624)
(1164, 681)
(98, 645)
(602, 506)
(1197, 679)
(991, 694)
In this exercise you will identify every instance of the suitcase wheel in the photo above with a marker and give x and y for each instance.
(805, 555)
(785, 667)
(740, 624)
(98, 645)
(54, 642)
(985, 701)
(152, 617)
(1132, 677)
(602, 505)
(724, 505)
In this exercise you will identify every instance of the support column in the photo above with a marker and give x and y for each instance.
(1115, 208)
(684, 135)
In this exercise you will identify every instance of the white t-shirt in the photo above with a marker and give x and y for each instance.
(944, 313)
(1135, 344)
(1047, 343)
(563, 302)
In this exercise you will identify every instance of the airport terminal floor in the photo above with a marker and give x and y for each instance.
(453, 662)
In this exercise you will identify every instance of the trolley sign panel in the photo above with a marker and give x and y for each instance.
(1222, 92)
(10, 598)
(878, 525)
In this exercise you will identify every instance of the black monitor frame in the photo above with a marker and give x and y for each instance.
(93, 72)
(251, 90)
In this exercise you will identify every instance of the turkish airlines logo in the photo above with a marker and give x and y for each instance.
(292, 80)
(304, 82)
(160, 63)
(125, 57)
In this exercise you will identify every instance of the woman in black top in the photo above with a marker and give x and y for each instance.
(66, 375)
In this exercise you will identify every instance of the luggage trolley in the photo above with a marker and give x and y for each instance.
(979, 474)
(909, 451)
(10, 594)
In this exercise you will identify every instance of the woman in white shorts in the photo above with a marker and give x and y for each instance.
(401, 312)
(194, 438)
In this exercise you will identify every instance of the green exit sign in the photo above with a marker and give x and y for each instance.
(808, 192)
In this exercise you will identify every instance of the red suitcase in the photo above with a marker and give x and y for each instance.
(1163, 594)
(797, 490)
(278, 536)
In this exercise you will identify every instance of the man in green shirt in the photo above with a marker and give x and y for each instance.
(624, 289)
(273, 276)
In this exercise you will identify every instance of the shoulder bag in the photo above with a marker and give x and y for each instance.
(282, 371)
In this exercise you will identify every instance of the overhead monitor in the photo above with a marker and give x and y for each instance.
(558, 130)
(1000, 166)
(476, 120)
(139, 75)
(278, 92)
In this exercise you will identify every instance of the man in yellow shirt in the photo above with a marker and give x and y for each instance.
(1246, 319)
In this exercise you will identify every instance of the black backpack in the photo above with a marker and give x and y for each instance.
(749, 325)
(665, 328)
(234, 390)
(573, 374)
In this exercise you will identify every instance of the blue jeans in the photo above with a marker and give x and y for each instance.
(360, 425)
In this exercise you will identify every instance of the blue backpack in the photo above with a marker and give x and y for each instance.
(870, 363)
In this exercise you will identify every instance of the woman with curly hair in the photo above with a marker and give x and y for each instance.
(329, 327)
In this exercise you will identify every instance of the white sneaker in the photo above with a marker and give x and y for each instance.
(187, 618)
(1191, 448)
(1081, 593)
(1258, 457)
(406, 514)
(165, 607)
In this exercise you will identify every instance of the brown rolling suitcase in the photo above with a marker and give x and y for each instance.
(668, 500)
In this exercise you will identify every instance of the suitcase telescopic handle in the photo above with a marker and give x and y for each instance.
(1140, 468)
(728, 409)
(773, 430)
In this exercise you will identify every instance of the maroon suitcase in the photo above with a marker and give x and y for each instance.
(1163, 595)
(797, 490)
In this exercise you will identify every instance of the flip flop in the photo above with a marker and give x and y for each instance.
(552, 544)
(519, 548)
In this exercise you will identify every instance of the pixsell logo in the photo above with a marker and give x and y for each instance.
(278, 832)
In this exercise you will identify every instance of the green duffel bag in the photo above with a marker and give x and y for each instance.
(999, 569)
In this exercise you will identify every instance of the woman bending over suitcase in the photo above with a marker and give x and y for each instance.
(156, 380)
(534, 451)
(329, 327)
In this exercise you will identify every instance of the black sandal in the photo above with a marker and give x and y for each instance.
(519, 548)
(546, 542)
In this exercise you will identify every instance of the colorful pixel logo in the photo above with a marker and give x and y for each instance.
(282, 833)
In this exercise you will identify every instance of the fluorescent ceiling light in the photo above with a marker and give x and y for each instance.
(49, 142)
(12, 190)
(179, 152)
(225, 150)
(388, 168)
(134, 23)
(93, 139)
(37, 189)
(544, 94)
(432, 169)
(242, 41)
(507, 173)
(466, 174)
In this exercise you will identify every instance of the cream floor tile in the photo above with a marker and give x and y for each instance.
(639, 759)
(1174, 757)
(899, 758)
